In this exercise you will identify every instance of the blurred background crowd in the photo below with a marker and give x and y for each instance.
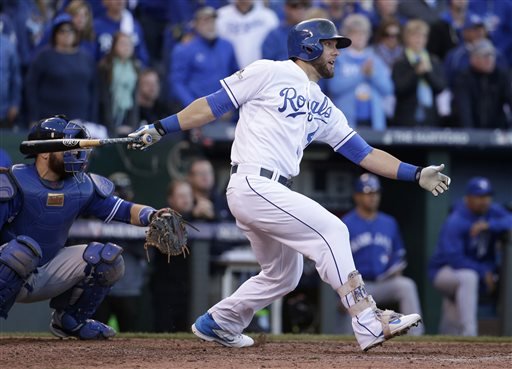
(121, 63)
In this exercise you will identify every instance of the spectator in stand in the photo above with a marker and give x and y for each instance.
(362, 79)
(497, 16)
(483, 92)
(28, 18)
(151, 106)
(124, 299)
(316, 12)
(388, 46)
(275, 45)
(62, 78)
(385, 10)
(82, 19)
(202, 179)
(388, 42)
(338, 10)
(10, 82)
(171, 301)
(465, 264)
(418, 78)
(246, 23)
(378, 249)
(457, 59)
(197, 66)
(96, 7)
(427, 10)
(118, 71)
(81, 14)
(155, 15)
(446, 33)
(118, 18)
(208, 204)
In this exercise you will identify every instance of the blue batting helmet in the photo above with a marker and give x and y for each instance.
(58, 127)
(304, 39)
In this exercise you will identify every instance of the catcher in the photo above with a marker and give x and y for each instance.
(38, 204)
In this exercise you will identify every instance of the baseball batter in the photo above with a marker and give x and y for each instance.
(38, 204)
(282, 110)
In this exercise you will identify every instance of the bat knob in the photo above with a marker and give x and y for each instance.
(147, 139)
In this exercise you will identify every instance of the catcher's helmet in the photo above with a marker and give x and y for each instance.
(58, 127)
(304, 39)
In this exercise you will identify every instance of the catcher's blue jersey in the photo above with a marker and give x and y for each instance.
(376, 244)
(46, 210)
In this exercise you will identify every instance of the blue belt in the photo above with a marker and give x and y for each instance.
(268, 174)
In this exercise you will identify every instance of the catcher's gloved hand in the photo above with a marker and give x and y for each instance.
(152, 134)
(167, 232)
(431, 179)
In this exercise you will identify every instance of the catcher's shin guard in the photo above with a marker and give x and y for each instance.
(74, 307)
(371, 325)
(18, 260)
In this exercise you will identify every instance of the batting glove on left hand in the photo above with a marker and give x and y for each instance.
(431, 179)
(148, 135)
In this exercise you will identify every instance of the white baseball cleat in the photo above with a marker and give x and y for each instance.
(207, 329)
(392, 324)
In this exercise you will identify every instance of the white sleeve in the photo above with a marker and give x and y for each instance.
(248, 82)
(337, 132)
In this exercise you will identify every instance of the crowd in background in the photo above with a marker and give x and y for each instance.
(120, 63)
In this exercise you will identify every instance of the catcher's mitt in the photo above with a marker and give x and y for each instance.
(167, 233)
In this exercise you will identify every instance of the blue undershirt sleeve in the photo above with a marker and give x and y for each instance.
(220, 103)
(355, 149)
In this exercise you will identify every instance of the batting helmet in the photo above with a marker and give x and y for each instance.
(58, 127)
(304, 40)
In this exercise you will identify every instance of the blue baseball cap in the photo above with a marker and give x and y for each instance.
(367, 183)
(473, 21)
(479, 186)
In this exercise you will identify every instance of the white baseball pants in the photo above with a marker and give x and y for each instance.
(281, 225)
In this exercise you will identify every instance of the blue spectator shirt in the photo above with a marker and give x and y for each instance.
(198, 66)
(275, 45)
(105, 29)
(10, 76)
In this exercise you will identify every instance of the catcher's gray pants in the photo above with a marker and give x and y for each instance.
(61, 273)
(399, 290)
(460, 300)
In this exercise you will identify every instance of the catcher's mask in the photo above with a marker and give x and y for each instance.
(58, 127)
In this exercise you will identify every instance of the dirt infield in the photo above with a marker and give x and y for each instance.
(187, 353)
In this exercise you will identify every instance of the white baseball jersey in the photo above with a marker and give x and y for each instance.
(281, 112)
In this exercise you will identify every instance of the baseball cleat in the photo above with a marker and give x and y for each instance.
(64, 325)
(208, 330)
(393, 325)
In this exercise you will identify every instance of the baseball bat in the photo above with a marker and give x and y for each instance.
(67, 144)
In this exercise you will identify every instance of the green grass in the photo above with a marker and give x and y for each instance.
(282, 338)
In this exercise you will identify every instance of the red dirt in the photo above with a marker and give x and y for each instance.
(145, 353)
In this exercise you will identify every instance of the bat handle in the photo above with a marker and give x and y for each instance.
(147, 139)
